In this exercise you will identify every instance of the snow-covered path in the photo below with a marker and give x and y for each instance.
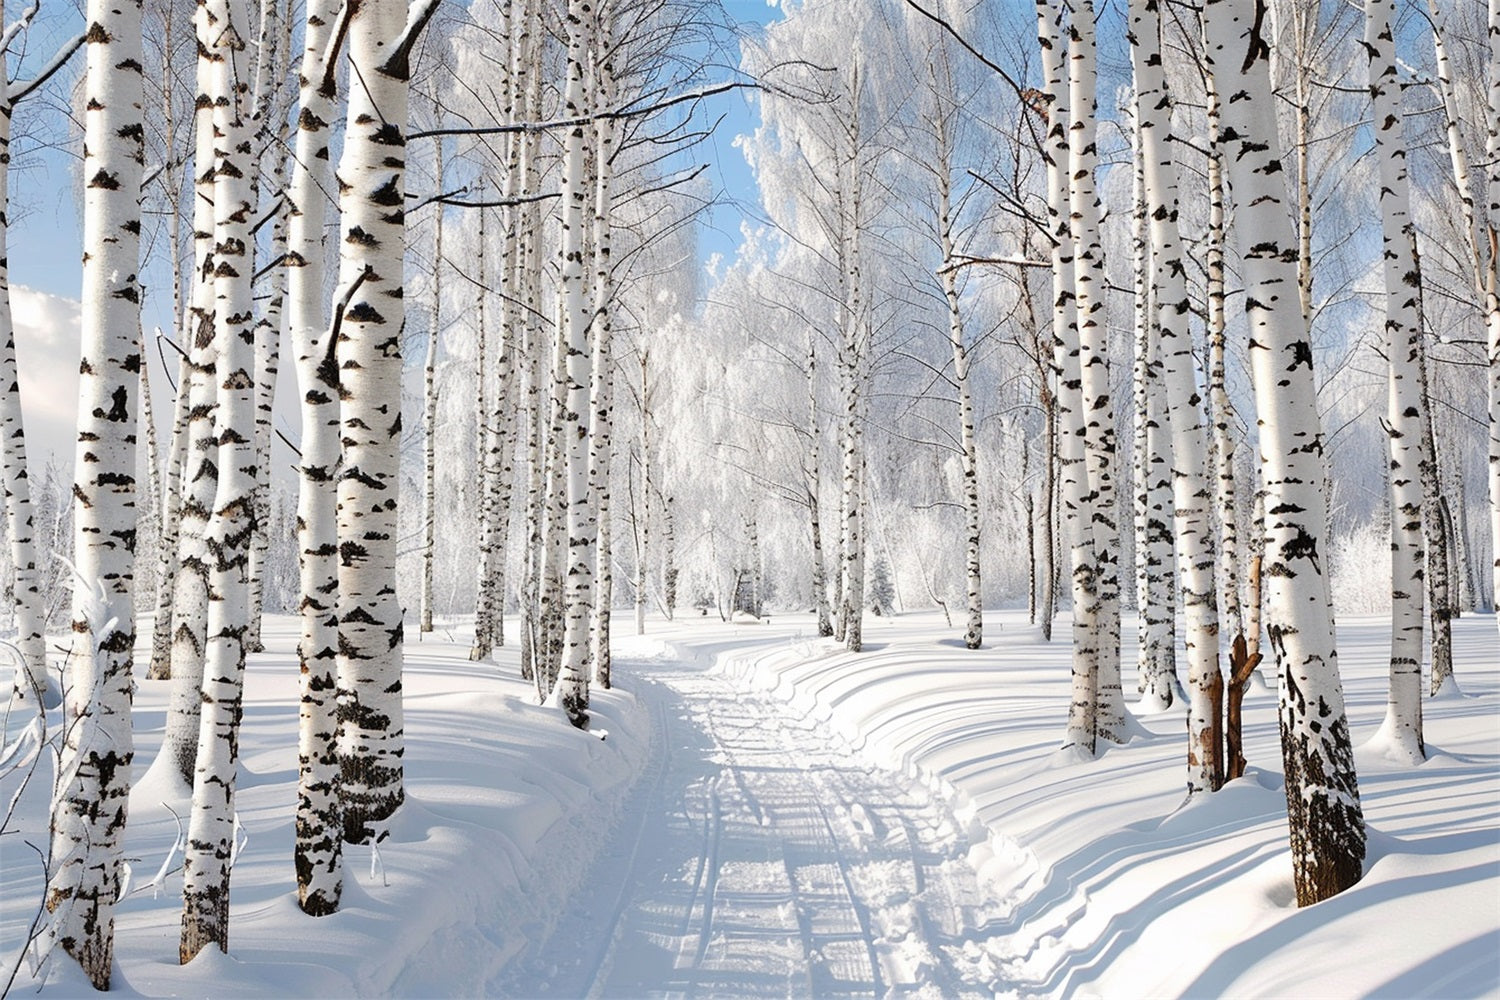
(755, 858)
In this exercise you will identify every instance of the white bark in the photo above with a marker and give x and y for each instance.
(571, 692)
(1089, 288)
(1190, 489)
(1492, 290)
(1220, 409)
(1325, 819)
(486, 464)
(1076, 497)
(430, 398)
(269, 56)
(32, 687)
(371, 174)
(190, 590)
(93, 783)
(601, 418)
(318, 856)
(1405, 417)
(853, 360)
(641, 507)
(210, 835)
(1155, 601)
(814, 476)
(170, 540)
(974, 625)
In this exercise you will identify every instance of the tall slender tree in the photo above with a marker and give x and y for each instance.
(1089, 290)
(1191, 496)
(93, 781)
(210, 835)
(1405, 417)
(1077, 499)
(318, 852)
(576, 378)
(1325, 820)
(371, 176)
(32, 685)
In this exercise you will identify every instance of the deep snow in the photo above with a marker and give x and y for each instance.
(743, 830)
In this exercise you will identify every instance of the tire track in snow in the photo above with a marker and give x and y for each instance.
(757, 859)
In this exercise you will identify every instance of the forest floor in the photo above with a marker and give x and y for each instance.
(756, 812)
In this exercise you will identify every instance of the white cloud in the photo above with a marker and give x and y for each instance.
(47, 332)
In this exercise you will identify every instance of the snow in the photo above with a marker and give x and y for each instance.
(771, 815)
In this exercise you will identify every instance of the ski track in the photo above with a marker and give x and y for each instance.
(757, 858)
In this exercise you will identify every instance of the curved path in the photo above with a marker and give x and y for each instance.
(754, 858)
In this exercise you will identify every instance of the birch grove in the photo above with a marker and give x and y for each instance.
(866, 401)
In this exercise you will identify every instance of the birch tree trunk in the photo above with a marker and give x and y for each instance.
(852, 360)
(1155, 603)
(1405, 416)
(814, 477)
(601, 425)
(487, 458)
(668, 556)
(190, 591)
(1480, 233)
(318, 851)
(1492, 290)
(1436, 535)
(271, 53)
(430, 397)
(170, 541)
(571, 692)
(1089, 286)
(974, 626)
(1191, 495)
(641, 509)
(1324, 815)
(371, 176)
(210, 835)
(33, 688)
(1076, 497)
(1220, 409)
(93, 780)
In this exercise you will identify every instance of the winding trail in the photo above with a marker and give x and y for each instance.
(754, 858)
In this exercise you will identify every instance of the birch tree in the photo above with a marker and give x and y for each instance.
(1492, 292)
(319, 819)
(943, 115)
(93, 782)
(32, 687)
(1089, 285)
(1155, 602)
(1405, 417)
(1325, 819)
(571, 692)
(371, 179)
(179, 747)
(210, 835)
(1076, 497)
(1190, 488)
(430, 397)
